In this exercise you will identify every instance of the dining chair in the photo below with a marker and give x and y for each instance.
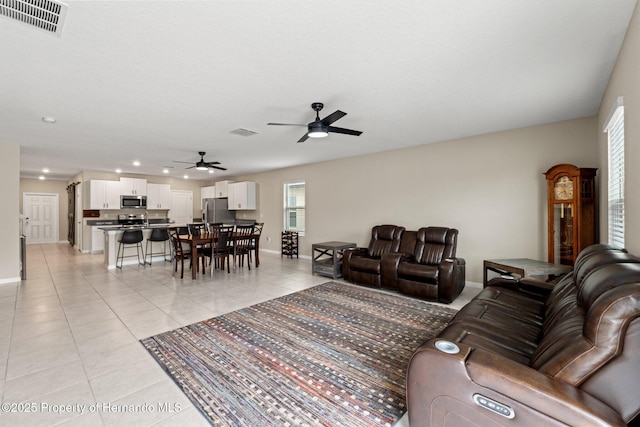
(221, 250)
(180, 252)
(242, 238)
(197, 228)
(215, 229)
(253, 246)
(212, 225)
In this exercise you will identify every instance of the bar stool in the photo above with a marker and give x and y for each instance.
(130, 237)
(157, 235)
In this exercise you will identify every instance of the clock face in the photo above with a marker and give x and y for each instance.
(563, 188)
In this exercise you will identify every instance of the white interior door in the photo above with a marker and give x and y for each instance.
(181, 206)
(42, 212)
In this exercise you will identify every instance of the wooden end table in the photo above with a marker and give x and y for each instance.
(524, 267)
(327, 258)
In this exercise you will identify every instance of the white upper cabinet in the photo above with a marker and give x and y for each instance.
(133, 186)
(242, 195)
(158, 196)
(104, 194)
(222, 189)
(208, 192)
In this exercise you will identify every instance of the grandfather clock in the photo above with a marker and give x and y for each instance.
(571, 211)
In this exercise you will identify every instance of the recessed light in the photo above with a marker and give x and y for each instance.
(211, 171)
(118, 170)
(186, 177)
(165, 170)
(49, 119)
(41, 177)
(136, 163)
(45, 170)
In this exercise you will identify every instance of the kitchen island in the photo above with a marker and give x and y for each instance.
(112, 235)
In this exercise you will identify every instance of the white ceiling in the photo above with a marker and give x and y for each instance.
(158, 81)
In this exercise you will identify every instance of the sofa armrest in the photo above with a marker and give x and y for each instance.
(347, 254)
(389, 268)
(451, 279)
(441, 389)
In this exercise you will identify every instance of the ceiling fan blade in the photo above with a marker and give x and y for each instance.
(191, 167)
(178, 161)
(213, 163)
(304, 137)
(333, 117)
(219, 168)
(345, 131)
(284, 124)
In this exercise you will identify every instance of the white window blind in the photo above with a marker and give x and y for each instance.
(615, 132)
(294, 207)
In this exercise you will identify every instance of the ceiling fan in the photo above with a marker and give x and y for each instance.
(321, 127)
(202, 165)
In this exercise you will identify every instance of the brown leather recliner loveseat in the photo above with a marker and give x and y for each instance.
(529, 353)
(431, 270)
(363, 265)
(420, 263)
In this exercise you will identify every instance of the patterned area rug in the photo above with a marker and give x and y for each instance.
(333, 355)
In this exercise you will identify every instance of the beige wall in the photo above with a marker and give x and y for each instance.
(53, 187)
(490, 187)
(9, 208)
(625, 82)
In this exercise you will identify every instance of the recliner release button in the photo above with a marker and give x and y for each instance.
(494, 406)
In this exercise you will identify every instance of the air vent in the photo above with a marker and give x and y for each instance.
(240, 131)
(46, 15)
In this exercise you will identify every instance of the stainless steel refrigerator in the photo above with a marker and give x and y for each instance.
(216, 210)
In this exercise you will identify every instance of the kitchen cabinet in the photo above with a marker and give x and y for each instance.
(242, 196)
(104, 194)
(158, 196)
(222, 189)
(97, 239)
(208, 192)
(133, 187)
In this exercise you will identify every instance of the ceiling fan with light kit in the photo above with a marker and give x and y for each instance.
(320, 128)
(201, 165)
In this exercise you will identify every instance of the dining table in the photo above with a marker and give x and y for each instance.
(204, 238)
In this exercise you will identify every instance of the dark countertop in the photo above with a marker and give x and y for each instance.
(115, 224)
(137, 227)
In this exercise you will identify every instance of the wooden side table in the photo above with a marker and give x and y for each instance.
(327, 258)
(523, 267)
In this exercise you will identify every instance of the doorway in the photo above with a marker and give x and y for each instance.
(41, 210)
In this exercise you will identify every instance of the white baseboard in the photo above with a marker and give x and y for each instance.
(278, 253)
(10, 280)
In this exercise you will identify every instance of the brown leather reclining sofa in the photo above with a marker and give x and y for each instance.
(420, 263)
(529, 353)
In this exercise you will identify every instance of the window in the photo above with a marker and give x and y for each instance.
(294, 203)
(615, 132)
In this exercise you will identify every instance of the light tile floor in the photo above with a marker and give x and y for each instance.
(69, 350)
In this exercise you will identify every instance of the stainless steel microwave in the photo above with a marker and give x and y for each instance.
(133, 202)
